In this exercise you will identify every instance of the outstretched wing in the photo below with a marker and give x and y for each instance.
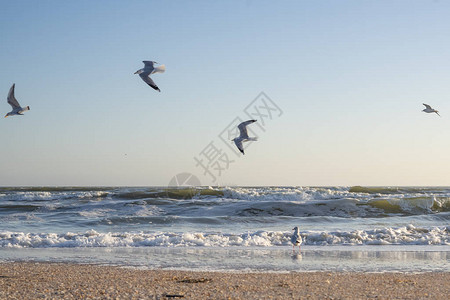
(149, 81)
(11, 99)
(427, 106)
(238, 143)
(148, 63)
(243, 128)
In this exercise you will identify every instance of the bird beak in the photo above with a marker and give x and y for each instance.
(6, 116)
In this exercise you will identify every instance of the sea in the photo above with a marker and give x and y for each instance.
(237, 229)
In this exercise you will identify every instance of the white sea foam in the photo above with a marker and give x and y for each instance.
(44, 195)
(297, 194)
(95, 213)
(407, 199)
(408, 235)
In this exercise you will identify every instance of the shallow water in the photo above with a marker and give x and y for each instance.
(330, 259)
(244, 227)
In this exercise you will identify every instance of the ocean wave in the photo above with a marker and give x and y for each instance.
(397, 190)
(53, 189)
(181, 193)
(298, 194)
(117, 203)
(51, 195)
(172, 193)
(411, 205)
(407, 235)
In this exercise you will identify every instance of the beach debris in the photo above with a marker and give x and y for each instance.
(173, 295)
(194, 280)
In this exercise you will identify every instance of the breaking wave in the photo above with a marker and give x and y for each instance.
(408, 235)
(234, 201)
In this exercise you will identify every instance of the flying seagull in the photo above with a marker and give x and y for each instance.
(296, 239)
(428, 109)
(17, 109)
(243, 135)
(148, 70)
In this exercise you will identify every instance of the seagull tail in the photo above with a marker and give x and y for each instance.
(27, 108)
(160, 69)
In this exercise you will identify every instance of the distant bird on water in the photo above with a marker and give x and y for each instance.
(296, 239)
(17, 109)
(428, 109)
(149, 69)
(243, 135)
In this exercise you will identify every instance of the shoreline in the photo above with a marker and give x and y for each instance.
(29, 280)
(249, 259)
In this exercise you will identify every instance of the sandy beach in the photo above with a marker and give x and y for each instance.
(28, 280)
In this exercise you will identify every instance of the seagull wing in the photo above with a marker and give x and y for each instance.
(11, 99)
(243, 128)
(148, 63)
(296, 239)
(427, 106)
(145, 76)
(238, 143)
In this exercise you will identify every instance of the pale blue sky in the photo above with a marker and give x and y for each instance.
(350, 77)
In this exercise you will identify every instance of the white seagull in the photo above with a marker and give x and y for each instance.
(17, 109)
(243, 135)
(296, 239)
(428, 109)
(149, 69)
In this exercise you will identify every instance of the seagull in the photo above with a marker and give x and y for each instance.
(17, 109)
(148, 70)
(243, 135)
(296, 239)
(428, 109)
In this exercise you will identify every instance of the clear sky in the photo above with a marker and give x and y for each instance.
(350, 78)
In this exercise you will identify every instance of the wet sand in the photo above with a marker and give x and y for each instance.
(72, 281)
